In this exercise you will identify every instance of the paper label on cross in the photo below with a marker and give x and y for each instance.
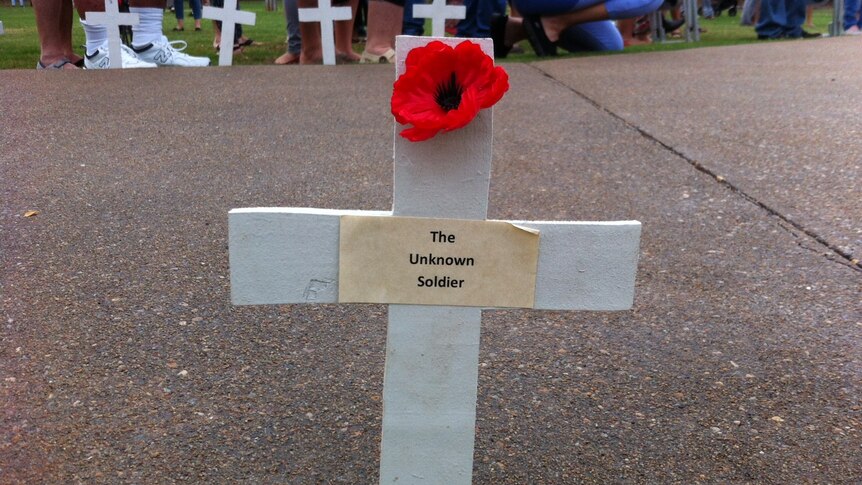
(439, 12)
(326, 14)
(291, 255)
(229, 16)
(425, 261)
(112, 19)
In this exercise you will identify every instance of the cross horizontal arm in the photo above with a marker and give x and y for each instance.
(290, 255)
(224, 15)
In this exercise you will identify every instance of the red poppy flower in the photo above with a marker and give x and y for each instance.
(443, 88)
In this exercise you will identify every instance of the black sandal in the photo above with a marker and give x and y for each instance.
(537, 37)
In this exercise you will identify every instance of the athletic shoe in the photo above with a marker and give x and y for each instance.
(163, 53)
(100, 59)
(854, 30)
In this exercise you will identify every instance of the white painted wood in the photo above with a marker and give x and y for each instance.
(289, 255)
(439, 12)
(429, 394)
(112, 19)
(281, 256)
(229, 17)
(431, 372)
(448, 175)
(326, 14)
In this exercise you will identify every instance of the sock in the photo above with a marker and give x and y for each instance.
(149, 30)
(96, 35)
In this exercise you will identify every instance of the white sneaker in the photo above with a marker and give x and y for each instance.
(854, 30)
(100, 59)
(163, 53)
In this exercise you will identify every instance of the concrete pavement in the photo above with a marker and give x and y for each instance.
(122, 359)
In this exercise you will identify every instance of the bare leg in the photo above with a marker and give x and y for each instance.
(49, 18)
(344, 36)
(627, 30)
(312, 49)
(556, 24)
(384, 23)
(66, 31)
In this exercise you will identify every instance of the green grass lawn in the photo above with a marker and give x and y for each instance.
(19, 46)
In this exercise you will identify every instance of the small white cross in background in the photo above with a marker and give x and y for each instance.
(326, 14)
(439, 12)
(112, 19)
(229, 16)
(294, 255)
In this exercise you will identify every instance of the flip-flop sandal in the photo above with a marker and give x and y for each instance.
(245, 43)
(498, 35)
(536, 35)
(286, 59)
(387, 57)
(55, 66)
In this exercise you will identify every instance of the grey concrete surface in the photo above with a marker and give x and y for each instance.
(778, 122)
(122, 360)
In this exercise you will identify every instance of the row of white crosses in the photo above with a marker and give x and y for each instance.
(326, 15)
(229, 16)
(430, 382)
(112, 19)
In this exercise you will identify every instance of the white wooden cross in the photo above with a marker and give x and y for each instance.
(229, 17)
(439, 12)
(326, 15)
(112, 19)
(291, 255)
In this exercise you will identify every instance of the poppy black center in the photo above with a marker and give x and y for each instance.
(448, 95)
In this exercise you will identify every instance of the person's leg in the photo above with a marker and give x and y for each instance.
(749, 12)
(412, 25)
(49, 16)
(851, 14)
(773, 18)
(384, 23)
(468, 27)
(149, 28)
(344, 35)
(197, 12)
(180, 14)
(706, 9)
(65, 30)
(626, 28)
(592, 36)
(294, 40)
(148, 42)
(312, 49)
(795, 18)
(239, 40)
(96, 35)
(554, 21)
(485, 10)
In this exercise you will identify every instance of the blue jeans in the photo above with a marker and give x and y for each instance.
(411, 25)
(477, 23)
(592, 36)
(781, 18)
(196, 9)
(291, 15)
(617, 9)
(852, 14)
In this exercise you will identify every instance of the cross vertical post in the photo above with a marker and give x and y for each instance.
(326, 15)
(229, 17)
(439, 12)
(112, 19)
